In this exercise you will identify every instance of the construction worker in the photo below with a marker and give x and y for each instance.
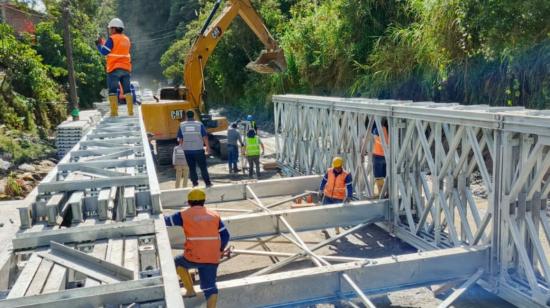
(205, 240)
(252, 152)
(378, 157)
(180, 165)
(233, 140)
(119, 64)
(251, 123)
(336, 185)
(193, 136)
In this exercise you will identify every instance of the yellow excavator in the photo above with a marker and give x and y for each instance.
(162, 118)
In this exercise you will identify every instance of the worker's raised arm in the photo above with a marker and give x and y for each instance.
(104, 47)
(323, 182)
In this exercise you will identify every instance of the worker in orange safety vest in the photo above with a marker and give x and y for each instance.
(378, 156)
(119, 64)
(205, 240)
(336, 185)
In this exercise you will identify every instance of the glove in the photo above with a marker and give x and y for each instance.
(99, 41)
(321, 195)
(347, 200)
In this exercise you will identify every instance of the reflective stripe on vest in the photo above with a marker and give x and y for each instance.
(378, 149)
(119, 57)
(192, 137)
(253, 146)
(203, 243)
(336, 185)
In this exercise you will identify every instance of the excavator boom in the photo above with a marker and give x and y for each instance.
(271, 60)
(163, 118)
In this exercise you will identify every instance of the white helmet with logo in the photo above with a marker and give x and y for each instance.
(116, 23)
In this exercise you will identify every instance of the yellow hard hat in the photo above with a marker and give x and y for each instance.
(196, 194)
(337, 162)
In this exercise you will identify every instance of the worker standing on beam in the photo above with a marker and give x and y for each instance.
(205, 240)
(336, 185)
(119, 64)
(378, 156)
(193, 136)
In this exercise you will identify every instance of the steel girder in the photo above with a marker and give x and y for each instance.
(325, 284)
(434, 151)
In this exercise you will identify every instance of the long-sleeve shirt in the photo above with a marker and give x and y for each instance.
(176, 220)
(105, 49)
(349, 184)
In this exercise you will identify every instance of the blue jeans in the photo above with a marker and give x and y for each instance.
(195, 158)
(207, 274)
(232, 156)
(328, 200)
(116, 76)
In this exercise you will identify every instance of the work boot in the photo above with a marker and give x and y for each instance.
(379, 186)
(113, 101)
(130, 104)
(211, 301)
(187, 281)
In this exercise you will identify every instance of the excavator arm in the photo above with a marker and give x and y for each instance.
(271, 59)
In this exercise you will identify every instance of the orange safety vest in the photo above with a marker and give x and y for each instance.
(119, 57)
(202, 236)
(336, 185)
(378, 149)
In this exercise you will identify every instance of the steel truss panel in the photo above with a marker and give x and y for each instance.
(324, 284)
(434, 152)
(264, 224)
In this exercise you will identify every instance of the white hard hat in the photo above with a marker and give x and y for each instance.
(116, 23)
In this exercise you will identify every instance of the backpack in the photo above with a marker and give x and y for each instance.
(178, 158)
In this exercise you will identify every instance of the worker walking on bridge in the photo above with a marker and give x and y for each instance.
(205, 240)
(119, 64)
(336, 185)
(193, 136)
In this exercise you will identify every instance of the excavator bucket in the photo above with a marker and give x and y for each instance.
(269, 62)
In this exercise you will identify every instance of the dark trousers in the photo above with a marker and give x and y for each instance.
(232, 156)
(195, 158)
(207, 274)
(116, 76)
(253, 160)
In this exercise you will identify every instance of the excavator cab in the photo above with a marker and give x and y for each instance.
(269, 62)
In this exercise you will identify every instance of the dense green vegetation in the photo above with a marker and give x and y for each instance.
(474, 52)
(33, 75)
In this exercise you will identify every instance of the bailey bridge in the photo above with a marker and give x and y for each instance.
(92, 233)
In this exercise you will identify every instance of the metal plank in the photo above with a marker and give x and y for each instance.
(40, 278)
(127, 292)
(57, 279)
(25, 278)
(131, 258)
(110, 265)
(115, 250)
(314, 285)
(82, 234)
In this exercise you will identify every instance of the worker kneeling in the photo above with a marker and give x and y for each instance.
(205, 240)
